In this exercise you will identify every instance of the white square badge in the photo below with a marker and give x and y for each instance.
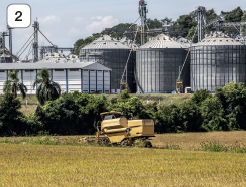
(19, 15)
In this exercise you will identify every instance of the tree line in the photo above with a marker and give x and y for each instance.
(186, 23)
(77, 113)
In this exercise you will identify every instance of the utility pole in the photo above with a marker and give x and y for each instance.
(35, 43)
(142, 12)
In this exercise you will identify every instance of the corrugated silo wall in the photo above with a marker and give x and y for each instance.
(158, 69)
(116, 60)
(213, 66)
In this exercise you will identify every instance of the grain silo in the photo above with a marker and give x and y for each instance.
(216, 61)
(158, 63)
(113, 54)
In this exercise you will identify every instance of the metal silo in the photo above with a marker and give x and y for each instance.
(158, 64)
(113, 54)
(216, 61)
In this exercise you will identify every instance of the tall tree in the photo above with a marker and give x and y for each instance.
(47, 90)
(211, 15)
(244, 17)
(13, 85)
(185, 23)
(233, 16)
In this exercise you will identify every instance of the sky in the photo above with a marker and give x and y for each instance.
(63, 22)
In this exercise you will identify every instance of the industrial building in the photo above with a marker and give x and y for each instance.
(113, 54)
(158, 63)
(86, 77)
(216, 61)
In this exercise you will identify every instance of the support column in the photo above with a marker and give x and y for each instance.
(89, 81)
(110, 81)
(66, 81)
(36, 79)
(81, 80)
(51, 76)
(7, 72)
(96, 80)
(21, 76)
(103, 82)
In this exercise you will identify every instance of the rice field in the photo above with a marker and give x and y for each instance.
(64, 165)
(38, 165)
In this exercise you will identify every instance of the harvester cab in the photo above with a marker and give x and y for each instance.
(121, 129)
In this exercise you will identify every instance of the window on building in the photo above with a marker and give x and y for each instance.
(2, 71)
(74, 69)
(59, 69)
(29, 70)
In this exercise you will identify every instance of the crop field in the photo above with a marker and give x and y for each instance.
(64, 165)
(39, 165)
(193, 141)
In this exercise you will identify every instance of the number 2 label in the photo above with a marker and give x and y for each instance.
(19, 15)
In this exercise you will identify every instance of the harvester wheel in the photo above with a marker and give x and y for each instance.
(148, 144)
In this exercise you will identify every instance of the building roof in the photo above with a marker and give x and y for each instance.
(80, 65)
(184, 41)
(162, 41)
(218, 38)
(126, 41)
(59, 58)
(106, 42)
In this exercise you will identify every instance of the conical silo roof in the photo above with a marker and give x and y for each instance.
(131, 44)
(162, 41)
(106, 42)
(218, 38)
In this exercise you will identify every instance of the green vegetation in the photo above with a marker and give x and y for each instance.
(47, 90)
(186, 23)
(77, 113)
(217, 147)
(13, 86)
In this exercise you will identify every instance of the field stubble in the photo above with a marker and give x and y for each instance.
(44, 165)
(59, 165)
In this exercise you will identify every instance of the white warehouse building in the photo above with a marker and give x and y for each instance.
(86, 77)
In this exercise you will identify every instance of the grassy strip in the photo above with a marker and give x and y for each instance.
(75, 141)
(217, 147)
(51, 140)
(43, 140)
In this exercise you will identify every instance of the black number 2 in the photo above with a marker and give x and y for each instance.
(20, 14)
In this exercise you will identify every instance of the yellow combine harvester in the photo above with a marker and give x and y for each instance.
(124, 130)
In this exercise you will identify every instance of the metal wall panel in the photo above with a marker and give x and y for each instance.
(116, 60)
(213, 66)
(158, 69)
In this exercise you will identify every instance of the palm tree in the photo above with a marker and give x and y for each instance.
(13, 85)
(47, 90)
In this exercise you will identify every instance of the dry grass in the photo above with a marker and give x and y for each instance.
(37, 165)
(28, 110)
(192, 141)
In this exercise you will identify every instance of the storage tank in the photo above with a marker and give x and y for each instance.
(216, 61)
(158, 63)
(113, 54)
